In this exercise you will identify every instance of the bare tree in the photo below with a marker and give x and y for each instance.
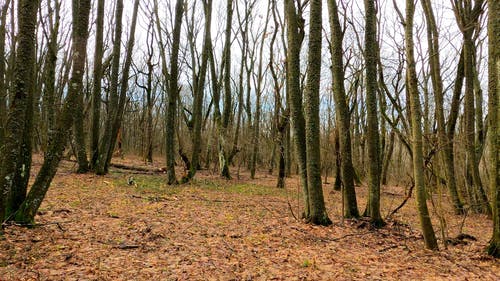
(29, 207)
(97, 84)
(342, 113)
(417, 140)
(372, 134)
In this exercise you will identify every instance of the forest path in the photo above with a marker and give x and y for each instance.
(103, 228)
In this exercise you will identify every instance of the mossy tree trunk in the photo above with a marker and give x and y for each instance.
(416, 128)
(294, 39)
(173, 95)
(437, 85)
(112, 105)
(16, 147)
(372, 131)
(467, 15)
(226, 113)
(494, 120)
(118, 95)
(97, 84)
(78, 126)
(3, 88)
(342, 113)
(199, 89)
(318, 214)
(27, 211)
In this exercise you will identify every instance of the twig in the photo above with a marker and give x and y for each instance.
(404, 201)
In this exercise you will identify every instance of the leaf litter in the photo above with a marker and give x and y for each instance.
(104, 228)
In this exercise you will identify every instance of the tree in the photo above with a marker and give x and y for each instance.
(294, 32)
(198, 92)
(259, 79)
(15, 167)
(317, 209)
(173, 95)
(102, 159)
(417, 140)
(3, 88)
(117, 94)
(437, 85)
(342, 113)
(25, 214)
(494, 119)
(372, 131)
(97, 84)
(467, 14)
(79, 136)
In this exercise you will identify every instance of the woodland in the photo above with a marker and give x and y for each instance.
(249, 140)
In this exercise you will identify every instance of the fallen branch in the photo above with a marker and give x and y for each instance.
(135, 168)
(408, 196)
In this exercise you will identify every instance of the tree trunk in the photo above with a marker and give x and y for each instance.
(101, 168)
(418, 163)
(27, 211)
(372, 134)
(226, 114)
(14, 171)
(295, 94)
(199, 88)
(3, 88)
(494, 120)
(318, 213)
(173, 95)
(96, 86)
(437, 85)
(78, 127)
(342, 114)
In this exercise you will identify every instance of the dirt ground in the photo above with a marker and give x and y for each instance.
(131, 226)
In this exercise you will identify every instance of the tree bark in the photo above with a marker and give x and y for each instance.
(293, 86)
(173, 94)
(199, 88)
(418, 163)
(3, 88)
(494, 120)
(437, 85)
(372, 131)
(318, 213)
(27, 211)
(97, 84)
(78, 127)
(342, 114)
(102, 159)
(15, 167)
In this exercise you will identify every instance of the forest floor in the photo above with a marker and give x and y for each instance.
(103, 228)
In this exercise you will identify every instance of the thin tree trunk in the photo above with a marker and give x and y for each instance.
(293, 86)
(101, 168)
(173, 95)
(3, 88)
(199, 88)
(342, 114)
(260, 78)
(96, 86)
(418, 163)
(78, 127)
(437, 85)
